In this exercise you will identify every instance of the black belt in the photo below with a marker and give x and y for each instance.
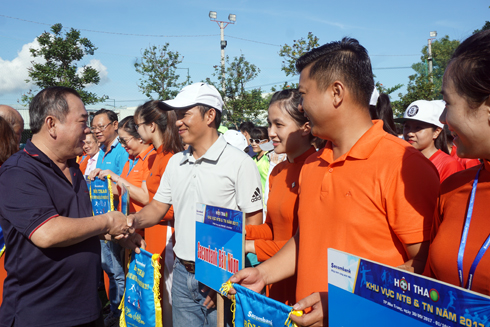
(190, 266)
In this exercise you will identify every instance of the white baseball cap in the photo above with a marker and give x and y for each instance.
(196, 94)
(424, 111)
(236, 138)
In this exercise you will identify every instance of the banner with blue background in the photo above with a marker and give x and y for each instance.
(365, 293)
(141, 301)
(219, 244)
(100, 195)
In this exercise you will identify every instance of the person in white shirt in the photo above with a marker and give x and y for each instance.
(91, 148)
(210, 171)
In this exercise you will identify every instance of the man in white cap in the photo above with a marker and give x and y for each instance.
(210, 171)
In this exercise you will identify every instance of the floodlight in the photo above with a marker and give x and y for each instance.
(232, 17)
(433, 34)
(213, 15)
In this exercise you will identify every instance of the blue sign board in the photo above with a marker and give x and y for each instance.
(100, 195)
(365, 293)
(219, 244)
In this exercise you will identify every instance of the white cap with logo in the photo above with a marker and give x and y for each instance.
(425, 111)
(236, 138)
(196, 94)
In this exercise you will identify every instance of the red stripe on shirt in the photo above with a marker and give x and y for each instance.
(35, 229)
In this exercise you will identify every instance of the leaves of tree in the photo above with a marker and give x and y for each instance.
(158, 67)
(240, 104)
(62, 52)
(291, 53)
(419, 86)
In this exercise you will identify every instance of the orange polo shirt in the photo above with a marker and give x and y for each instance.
(281, 222)
(445, 164)
(135, 171)
(370, 201)
(449, 220)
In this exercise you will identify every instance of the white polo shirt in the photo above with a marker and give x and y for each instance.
(224, 176)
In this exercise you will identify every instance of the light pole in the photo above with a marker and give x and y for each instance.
(114, 102)
(433, 36)
(222, 25)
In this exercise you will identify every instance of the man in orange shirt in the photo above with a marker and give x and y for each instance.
(367, 192)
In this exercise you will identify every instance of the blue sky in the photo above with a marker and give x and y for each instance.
(394, 33)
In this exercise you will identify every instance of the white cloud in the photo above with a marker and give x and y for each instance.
(14, 73)
(103, 74)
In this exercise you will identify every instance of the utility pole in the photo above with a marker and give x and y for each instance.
(222, 25)
(433, 35)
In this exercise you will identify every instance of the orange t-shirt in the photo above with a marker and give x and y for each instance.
(83, 164)
(157, 170)
(156, 236)
(466, 163)
(281, 221)
(369, 202)
(136, 171)
(449, 220)
(159, 238)
(445, 164)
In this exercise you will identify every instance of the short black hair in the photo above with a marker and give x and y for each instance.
(259, 132)
(346, 61)
(246, 126)
(111, 115)
(50, 101)
(217, 118)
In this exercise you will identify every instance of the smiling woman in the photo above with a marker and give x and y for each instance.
(458, 252)
(290, 133)
(423, 130)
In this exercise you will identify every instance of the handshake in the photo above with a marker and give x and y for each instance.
(120, 229)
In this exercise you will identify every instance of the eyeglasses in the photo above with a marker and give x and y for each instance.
(125, 142)
(257, 141)
(100, 128)
(138, 126)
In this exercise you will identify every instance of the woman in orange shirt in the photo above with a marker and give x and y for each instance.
(157, 126)
(423, 130)
(136, 169)
(290, 133)
(461, 232)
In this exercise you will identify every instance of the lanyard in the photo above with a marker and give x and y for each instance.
(464, 237)
(132, 163)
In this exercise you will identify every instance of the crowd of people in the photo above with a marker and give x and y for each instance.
(329, 171)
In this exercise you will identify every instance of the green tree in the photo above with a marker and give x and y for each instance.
(291, 53)
(158, 67)
(420, 86)
(61, 53)
(240, 104)
(386, 90)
